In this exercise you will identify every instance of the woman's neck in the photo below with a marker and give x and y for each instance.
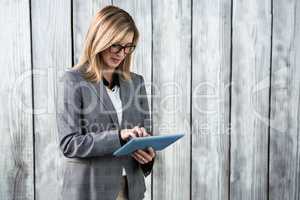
(108, 77)
(108, 74)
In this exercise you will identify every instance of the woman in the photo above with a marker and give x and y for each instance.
(102, 106)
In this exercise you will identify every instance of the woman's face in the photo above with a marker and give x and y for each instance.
(113, 60)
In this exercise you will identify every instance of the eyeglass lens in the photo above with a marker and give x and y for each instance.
(116, 48)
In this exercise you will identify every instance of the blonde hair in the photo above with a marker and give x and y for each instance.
(109, 25)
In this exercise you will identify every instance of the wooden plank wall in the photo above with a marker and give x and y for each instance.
(171, 106)
(224, 72)
(251, 46)
(16, 121)
(51, 53)
(210, 102)
(285, 94)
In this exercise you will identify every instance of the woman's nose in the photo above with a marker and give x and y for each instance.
(121, 54)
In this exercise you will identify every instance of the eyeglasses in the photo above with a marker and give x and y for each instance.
(116, 48)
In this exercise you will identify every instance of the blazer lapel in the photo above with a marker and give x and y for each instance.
(126, 94)
(100, 91)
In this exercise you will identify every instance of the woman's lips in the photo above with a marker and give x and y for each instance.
(115, 60)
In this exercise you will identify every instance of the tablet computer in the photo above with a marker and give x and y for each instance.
(156, 142)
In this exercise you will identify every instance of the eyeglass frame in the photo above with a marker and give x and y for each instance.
(122, 47)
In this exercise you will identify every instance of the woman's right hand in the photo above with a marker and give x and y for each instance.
(134, 132)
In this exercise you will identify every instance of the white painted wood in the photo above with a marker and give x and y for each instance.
(173, 52)
(284, 120)
(83, 12)
(171, 105)
(251, 28)
(210, 99)
(16, 146)
(140, 10)
(52, 54)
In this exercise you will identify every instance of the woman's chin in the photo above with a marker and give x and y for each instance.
(114, 65)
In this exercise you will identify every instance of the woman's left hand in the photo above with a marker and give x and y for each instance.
(143, 156)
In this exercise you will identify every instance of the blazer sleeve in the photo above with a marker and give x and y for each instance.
(146, 123)
(72, 141)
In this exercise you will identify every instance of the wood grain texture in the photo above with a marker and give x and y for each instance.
(171, 105)
(285, 102)
(190, 93)
(52, 53)
(140, 10)
(251, 33)
(16, 147)
(210, 99)
(83, 12)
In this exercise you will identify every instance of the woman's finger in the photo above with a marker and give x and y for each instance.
(132, 135)
(145, 134)
(136, 157)
(144, 154)
(151, 152)
(138, 131)
(144, 159)
(139, 156)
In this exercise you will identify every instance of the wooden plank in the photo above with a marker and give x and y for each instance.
(251, 35)
(139, 10)
(171, 105)
(210, 99)
(52, 53)
(285, 104)
(16, 147)
(83, 12)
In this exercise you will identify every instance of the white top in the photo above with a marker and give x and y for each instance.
(114, 95)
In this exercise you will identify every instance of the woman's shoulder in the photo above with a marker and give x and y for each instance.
(136, 77)
(72, 74)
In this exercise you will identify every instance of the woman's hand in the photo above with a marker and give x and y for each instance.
(144, 156)
(134, 132)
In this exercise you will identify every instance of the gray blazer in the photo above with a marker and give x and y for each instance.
(88, 135)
